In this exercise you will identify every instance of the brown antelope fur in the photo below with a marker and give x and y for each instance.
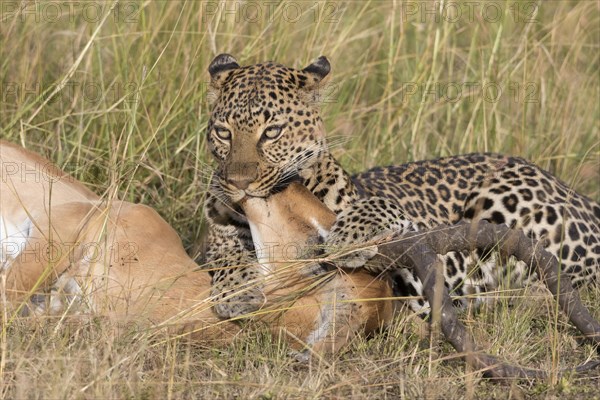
(154, 282)
(326, 309)
(139, 270)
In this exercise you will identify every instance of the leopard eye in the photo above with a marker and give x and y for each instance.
(273, 132)
(222, 133)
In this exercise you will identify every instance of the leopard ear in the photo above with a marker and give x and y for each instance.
(220, 68)
(315, 73)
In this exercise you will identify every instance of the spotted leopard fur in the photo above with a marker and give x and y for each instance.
(265, 131)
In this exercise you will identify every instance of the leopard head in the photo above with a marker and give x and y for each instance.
(265, 127)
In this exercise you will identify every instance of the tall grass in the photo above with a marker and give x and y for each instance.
(121, 103)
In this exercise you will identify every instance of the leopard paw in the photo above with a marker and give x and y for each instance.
(358, 258)
(230, 305)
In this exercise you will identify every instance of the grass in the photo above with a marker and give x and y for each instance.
(121, 103)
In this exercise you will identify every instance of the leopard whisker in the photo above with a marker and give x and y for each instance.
(337, 141)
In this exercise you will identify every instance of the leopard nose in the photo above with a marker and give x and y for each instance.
(241, 175)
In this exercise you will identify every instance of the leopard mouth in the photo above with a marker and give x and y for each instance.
(237, 195)
(283, 183)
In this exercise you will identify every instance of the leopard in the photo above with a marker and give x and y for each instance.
(265, 132)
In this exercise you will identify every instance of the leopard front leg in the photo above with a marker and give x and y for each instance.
(236, 277)
(361, 226)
